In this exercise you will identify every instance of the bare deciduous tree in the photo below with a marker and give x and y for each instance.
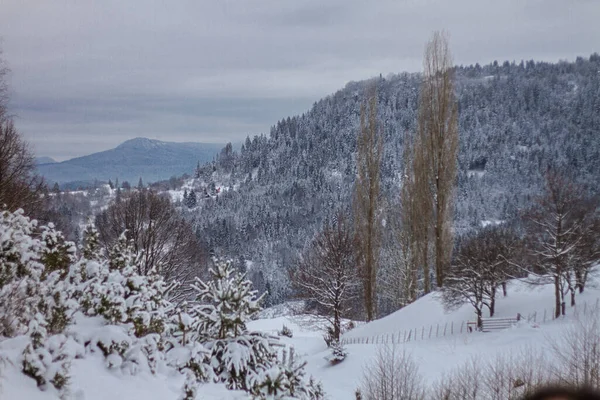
(556, 228)
(327, 273)
(481, 266)
(366, 200)
(163, 239)
(19, 185)
(435, 153)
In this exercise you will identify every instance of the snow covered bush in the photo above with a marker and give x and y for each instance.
(338, 353)
(285, 331)
(68, 308)
(286, 379)
(47, 359)
(242, 359)
(58, 254)
(20, 272)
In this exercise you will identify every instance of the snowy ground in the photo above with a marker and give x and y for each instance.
(91, 380)
(435, 356)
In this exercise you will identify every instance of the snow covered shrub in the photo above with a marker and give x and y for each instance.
(239, 358)
(20, 272)
(348, 327)
(115, 290)
(285, 331)
(190, 387)
(47, 359)
(58, 303)
(91, 248)
(287, 379)
(392, 376)
(338, 353)
(58, 254)
(329, 336)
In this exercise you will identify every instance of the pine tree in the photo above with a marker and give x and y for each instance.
(227, 303)
(91, 242)
(191, 199)
(58, 254)
(239, 358)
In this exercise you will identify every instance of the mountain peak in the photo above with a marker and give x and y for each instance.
(140, 143)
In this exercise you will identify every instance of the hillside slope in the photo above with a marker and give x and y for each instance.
(152, 160)
(436, 356)
(515, 120)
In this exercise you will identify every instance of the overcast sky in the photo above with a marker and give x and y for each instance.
(87, 75)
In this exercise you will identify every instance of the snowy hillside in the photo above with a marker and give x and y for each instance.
(436, 356)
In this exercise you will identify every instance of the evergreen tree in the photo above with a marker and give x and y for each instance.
(242, 359)
(191, 199)
(92, 249)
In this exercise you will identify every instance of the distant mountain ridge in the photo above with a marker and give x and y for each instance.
(150, 159)
(44, 160)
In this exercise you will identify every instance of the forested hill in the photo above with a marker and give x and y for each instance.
(515, 120)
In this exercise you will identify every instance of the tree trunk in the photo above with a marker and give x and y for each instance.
(336, 325)
(426, 275)
(556, 296)
(493, 303)
(504, 288)
(572, 290)
(479, 319)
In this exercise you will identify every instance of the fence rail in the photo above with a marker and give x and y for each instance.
(433, 331)
(497, 324)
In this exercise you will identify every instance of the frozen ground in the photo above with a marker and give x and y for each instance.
(435, 356)
(91, 380)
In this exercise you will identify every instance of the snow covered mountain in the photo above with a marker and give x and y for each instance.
(152, 160)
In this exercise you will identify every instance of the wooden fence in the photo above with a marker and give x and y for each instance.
(454, 328)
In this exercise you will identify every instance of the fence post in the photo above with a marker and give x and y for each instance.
(404, 341)
(437, 330)
(544, 315)
(461, 326)
(422, 332)
(452, 328)
(445, 326)
(430, 328)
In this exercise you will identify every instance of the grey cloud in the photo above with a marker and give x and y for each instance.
(88, 75)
